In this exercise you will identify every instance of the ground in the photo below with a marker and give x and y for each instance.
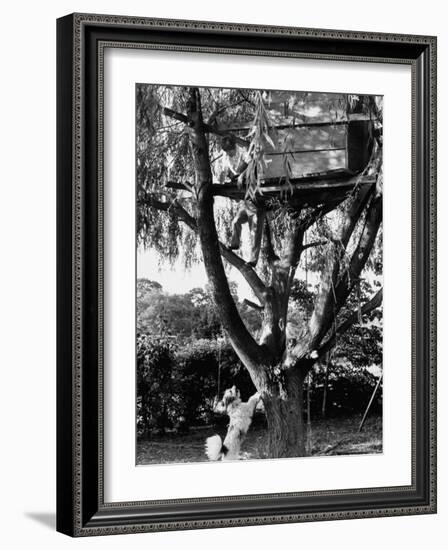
(328, 437)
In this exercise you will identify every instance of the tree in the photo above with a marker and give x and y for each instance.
(177, 222)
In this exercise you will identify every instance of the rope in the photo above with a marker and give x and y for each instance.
(306, 266)
(358, 296)
(309, 431)
(219, 368)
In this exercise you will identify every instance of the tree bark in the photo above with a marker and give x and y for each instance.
(283, 403)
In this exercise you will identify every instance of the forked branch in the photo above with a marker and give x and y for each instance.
(246, 270)
(327, 304)
(367, 308)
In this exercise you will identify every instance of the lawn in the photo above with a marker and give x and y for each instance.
(335, 436)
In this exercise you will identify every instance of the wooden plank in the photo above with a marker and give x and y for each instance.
(311, 191)
(304, 194)
(305, 163)
(317, 186)
(293, 122)
(311, 138)
(335, 179)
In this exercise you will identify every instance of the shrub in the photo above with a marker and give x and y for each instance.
(155, 364)
(349, 390)
(176, 385)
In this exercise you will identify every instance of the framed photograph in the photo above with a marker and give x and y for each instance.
(246, 274)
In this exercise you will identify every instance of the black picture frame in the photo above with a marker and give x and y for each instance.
(81, 510)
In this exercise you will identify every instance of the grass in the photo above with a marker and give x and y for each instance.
(334, 436)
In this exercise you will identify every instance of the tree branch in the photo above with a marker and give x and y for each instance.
(315, 243)
(173, 206)
(246, 270)
(295, 246)
(253, 305)
(276, 306)
(362, 251)
(326, 306)
(269, 247)
(350, 321)
(206, 127)
(212, 120)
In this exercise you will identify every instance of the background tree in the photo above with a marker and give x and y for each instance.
(178, 131)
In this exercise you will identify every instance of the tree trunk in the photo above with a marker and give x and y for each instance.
(284, 414)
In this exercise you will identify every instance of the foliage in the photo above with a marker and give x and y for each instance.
(349, 390)
(175, 315)
(155, 376)
(182, 358)
(184, 361)
(362, 344)
(176, 385)
(190, 315)
(301, 297)
(260, 136)
(159, 229)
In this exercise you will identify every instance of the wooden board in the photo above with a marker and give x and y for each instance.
(301, 164)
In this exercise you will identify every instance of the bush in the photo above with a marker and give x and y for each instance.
(202, 366)
(155, 366)
(176, 385)
(348, 392)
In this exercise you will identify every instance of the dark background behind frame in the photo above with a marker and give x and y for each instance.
(286, 505)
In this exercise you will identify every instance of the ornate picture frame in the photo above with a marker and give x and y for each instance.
(81, 506)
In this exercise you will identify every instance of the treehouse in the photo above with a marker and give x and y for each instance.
(313, 157)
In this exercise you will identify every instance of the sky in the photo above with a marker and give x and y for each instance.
(177, 279)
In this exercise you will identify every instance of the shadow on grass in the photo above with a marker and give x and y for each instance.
(332, 436)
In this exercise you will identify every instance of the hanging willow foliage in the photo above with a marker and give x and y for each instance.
(260, 136)
(163, 155)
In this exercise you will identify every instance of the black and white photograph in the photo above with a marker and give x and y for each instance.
(221, 222)
(259, 274)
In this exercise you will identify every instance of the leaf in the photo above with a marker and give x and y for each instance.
(269, 140)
